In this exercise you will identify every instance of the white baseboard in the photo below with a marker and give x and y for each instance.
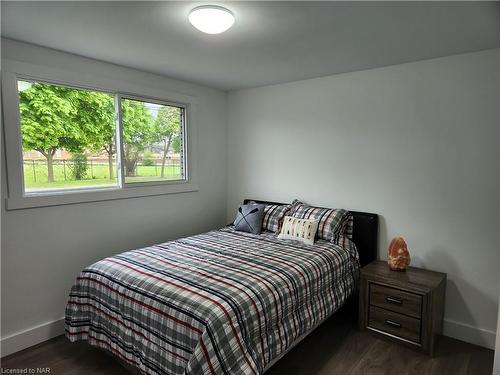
(43, 332)
(32, 336)
(473, 335)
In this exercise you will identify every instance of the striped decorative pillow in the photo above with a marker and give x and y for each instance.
(273, 216)
(299, 229)
(349, 228)
(332, 222)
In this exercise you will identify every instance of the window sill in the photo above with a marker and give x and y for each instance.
(81, 196)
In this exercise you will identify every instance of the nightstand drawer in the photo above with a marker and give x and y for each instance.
(395, 324)
(396, 300)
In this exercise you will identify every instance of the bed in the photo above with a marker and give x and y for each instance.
(222, 302)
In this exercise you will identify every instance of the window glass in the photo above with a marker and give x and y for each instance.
(152, 141)
(68, 137)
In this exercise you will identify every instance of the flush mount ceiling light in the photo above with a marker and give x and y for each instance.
(211, 19)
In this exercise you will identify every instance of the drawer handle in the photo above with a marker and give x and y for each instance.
(394, 300)
(393, 324)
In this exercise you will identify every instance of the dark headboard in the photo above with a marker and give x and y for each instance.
(365, 233)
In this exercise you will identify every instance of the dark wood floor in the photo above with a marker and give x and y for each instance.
(334, 348)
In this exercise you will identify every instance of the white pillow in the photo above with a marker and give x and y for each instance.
(299, 229)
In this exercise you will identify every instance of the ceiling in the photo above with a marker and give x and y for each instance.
(271, 42)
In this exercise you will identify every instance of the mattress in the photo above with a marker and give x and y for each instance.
(222, 302)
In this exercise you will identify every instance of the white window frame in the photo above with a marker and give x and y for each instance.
(12, 71)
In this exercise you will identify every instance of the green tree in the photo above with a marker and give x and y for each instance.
(78, 167)
(47, 124)
(138, 132)
(167, 130)
(96, 116)
(176, 144)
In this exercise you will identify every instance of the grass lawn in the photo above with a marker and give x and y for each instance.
(35, 176)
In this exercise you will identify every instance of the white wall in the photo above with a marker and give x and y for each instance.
(416, 143)
(43, 249)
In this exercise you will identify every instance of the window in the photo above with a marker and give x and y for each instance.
(152, 141)
(69, 139)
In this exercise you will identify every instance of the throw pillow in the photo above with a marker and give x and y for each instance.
(299, 229)
(249, 218)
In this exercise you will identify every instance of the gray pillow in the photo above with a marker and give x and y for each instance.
(249, 218)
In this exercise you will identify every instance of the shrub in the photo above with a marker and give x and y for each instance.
(78, 166)
(148, 159)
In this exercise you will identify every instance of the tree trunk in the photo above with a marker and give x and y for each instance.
(110, 160)
(130, 160)
(130, 165)
(50, 166)
(165, 151)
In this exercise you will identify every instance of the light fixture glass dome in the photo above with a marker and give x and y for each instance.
(211, 19)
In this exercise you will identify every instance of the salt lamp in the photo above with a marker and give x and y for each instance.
(398, 256)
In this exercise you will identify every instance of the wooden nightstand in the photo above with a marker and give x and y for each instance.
(403, 306)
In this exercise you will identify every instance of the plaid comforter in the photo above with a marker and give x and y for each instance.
(222, 302)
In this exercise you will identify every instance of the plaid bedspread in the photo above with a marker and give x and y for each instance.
(222, 302)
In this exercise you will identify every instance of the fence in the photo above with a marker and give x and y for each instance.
(36, 171)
